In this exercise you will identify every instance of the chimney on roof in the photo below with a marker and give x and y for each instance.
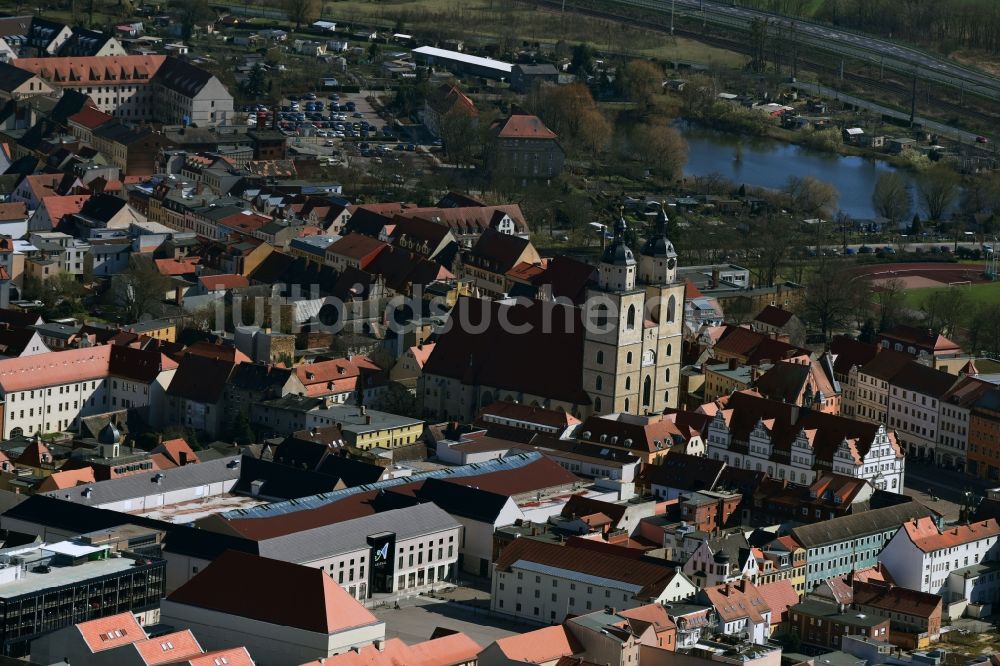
(378, 645)
(368, 419)
(733, 363)
(715, 279)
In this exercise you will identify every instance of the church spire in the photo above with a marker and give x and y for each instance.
(619, 253)
(658, 245)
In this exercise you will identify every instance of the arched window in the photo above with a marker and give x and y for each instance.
(647, 391)
(602, 315)
(666, 397)
(597, 404)
(600, 358)
(628, 358)
(628, 383)
(598, 382)
(17, 432)
(626, 404)
(670, 350)
(671, 309)
(630, 321)
(668, 375)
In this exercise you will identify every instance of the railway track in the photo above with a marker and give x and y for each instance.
(804, 62)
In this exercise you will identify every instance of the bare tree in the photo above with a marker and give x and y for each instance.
(138, 291)
(301, 11)
(811, 196)
(827, 305)
(889, 298)
(661, 148)
(891, 198)
(939, 187)
(640, 81)
(945, 309)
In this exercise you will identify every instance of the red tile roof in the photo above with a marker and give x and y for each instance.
(90, 117)
(421, 353)
(358, 247)
(69, 478)
(523, 126)
(735, 601)
(175, 267)
(778, 596)
(924, 534)
(58, 207)
(54, 368)
(168, 648)
(97, 70)
(13, 211)
(774, 316)
(223, 282)
(110, 632)
(235, 582)
(172, 449)
(506, 409)
(539, 646)
(897, 599)
(237, 656)
(449, 650)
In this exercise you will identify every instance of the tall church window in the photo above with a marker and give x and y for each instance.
(628, 358)
(647, 391)
(630, 321)
(597, 405)
(628, 383)
(602, 315)
(671, 308)
(600, 357)
(598, 382)
(626, 404)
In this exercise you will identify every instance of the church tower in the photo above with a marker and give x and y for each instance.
(665, 307)
(613, 339)
(632, 349)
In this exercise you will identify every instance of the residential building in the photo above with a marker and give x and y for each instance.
(524, 77)
(914, 616)
(50, 392)
(48, 586)
(132, 149)
(915, 408)
(651, 438)
(17, 84)
(984, 436)
(835, 547)
(823, 624)
(138, 88)
(544, 582)
(447, 104)
(363, 428)
(680, 473)
(524, 150)
(741, 610)
(318, 621)
(953, 431)
(196, 394)
(719, 558)
(778, 322)
(916, 341)
(922, 556)
(798, 444)
(493, 256)
(811, 386)
(868, 396)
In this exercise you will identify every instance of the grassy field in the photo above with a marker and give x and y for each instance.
(979, 294)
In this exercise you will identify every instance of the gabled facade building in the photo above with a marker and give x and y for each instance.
(789, 442)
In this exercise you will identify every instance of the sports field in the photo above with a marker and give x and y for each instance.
(986, 293)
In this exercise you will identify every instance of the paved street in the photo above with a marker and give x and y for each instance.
(944, 483)
(417, 618)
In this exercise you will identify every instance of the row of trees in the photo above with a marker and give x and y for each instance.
(941, 191)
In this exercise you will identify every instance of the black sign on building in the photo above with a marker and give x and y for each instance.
(382, 557)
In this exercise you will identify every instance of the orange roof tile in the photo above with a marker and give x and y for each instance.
(232, 657)
(421, 353)
(172, 450)
(522, 126)
(174, 267)
(69, 478)
(103, 70)
(778, 596)
(169, 648)
(57, 207)
(539, 646)
(110, 632)
(924, 534)
(223, 282)
(447, 650)
(90, 117)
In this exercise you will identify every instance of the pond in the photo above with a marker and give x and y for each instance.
(769, 163)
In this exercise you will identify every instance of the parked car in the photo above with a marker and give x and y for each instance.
(850, 251)
(945, 249)
(866, 250)
(982, 139)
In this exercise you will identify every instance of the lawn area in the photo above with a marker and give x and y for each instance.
(978, 294)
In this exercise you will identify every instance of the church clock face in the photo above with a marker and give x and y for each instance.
(671, 263)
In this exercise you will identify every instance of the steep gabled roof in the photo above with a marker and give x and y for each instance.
(926, 536)
(235, 583)
(859, 524)
(524, 126)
